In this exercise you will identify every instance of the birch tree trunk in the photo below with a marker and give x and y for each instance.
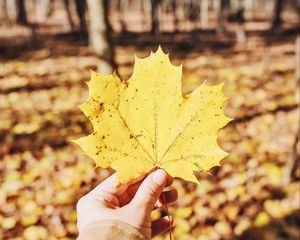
(204, 13)
(249, 5)
(99, 36)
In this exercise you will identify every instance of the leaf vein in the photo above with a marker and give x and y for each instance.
(126, 125)
(180, 134)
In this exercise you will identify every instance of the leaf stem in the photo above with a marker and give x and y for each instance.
(169, 217)
(167, 211)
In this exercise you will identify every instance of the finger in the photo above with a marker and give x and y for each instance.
(135, 184)
(132, 189)
(161, 225)
(126, 197)
(170, 196)
(129, 194)
(108, 186)
(139, 180)
(149, 191)
(169, 181)
(108, 192)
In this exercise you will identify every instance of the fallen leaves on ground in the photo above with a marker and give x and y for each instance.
(43, 176)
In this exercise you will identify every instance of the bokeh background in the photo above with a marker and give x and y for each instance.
(47, 48)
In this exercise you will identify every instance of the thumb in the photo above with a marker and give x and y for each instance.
(149, 191)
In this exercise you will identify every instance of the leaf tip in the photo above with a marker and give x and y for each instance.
(159, 49)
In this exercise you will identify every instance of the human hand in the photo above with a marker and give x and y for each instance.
(130, 203)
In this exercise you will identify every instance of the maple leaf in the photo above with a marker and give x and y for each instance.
(146, 122)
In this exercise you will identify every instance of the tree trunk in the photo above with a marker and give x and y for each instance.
(80, 9)
(216, 5)
(145, 8)
(21, 15)
(297, 70)
(240, 31)
(12, 10)
(154, 16)
(99, 36)
(3, 12)
(43, 9)
(123, 6)
(191, 10)
(50, 8)
(204, 13)
(222, 15)
(277, 15)
(69, 15)
(174, 12)
(249, 5)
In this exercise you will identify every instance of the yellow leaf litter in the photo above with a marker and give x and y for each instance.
(146, 122)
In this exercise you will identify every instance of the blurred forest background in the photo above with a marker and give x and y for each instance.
(47, 48)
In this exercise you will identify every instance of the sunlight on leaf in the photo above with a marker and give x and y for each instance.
(146, 122)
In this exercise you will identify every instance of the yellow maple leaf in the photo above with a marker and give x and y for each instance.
(146, 123)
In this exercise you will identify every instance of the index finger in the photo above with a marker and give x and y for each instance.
(109, 185)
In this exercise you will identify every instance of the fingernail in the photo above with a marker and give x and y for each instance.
(159, 176)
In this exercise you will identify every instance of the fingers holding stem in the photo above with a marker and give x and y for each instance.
(161, 225)
(167, 197)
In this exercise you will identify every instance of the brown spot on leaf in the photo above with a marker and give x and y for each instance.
(101, 108)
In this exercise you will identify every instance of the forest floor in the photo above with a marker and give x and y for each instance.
(254, 195)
